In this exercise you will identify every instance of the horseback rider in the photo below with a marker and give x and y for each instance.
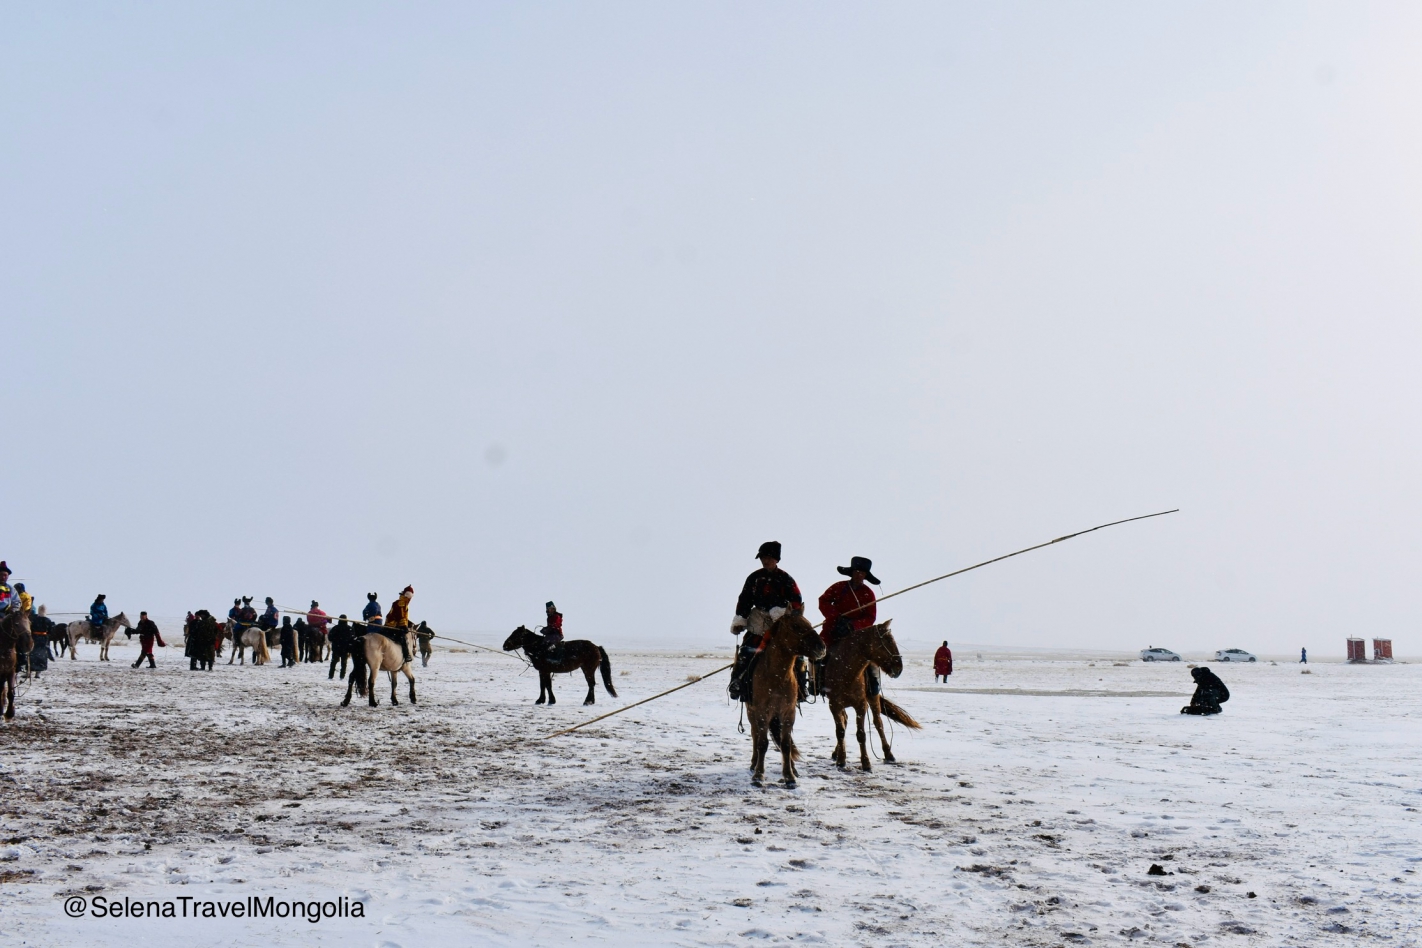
(553, 631)
(848, 606)
(235, 615)
(269, 618)
(316, 620)
(371, 613)
(8, 599)
(397, 623)
(767, 595)
(27, 602)
(247, 616)
(98, 614)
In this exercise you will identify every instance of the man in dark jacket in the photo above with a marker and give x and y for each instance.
(849, 606)
(767, 594)
(147, 634)
(288, 642)
(342, 640)
(202, 640)
(1210, 693)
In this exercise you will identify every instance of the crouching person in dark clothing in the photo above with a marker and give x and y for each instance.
(1210, 693)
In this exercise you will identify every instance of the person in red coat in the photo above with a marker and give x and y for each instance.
(553, 631)
(849, 606)
(942, 663)
(147, 634)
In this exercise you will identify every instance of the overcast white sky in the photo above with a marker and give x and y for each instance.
(583, 302)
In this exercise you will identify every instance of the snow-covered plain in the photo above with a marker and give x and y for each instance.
(1028, 811)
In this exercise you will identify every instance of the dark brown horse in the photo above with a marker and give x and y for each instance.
(553, 660)
(15, 640)
(845, 666)
(775, 693)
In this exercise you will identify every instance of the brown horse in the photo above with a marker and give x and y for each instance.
(553, 660)
(775, 693)
(847, 661)
(15, 640)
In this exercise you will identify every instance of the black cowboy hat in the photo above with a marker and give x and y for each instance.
(862, 563)
(770, 548)
(549, 605)
(100, 596)
(3, 567)
(371, 596)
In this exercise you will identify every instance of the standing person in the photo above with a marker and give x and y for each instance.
(767, 594)
(342, 640)
(397, 623)
(99, 616)
(849, 606)
(288, 642)
(942, 663)
(370, 615)
(40, 628)
(202, 640)
(1303, 656)
(147, 634)
(316, 621)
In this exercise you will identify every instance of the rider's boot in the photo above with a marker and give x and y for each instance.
(820, 680)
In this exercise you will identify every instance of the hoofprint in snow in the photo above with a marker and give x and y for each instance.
(1029, 811)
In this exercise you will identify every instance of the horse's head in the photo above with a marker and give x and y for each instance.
(122, 620)
(515, 639)
(799, 636)
(883, 650)
(15, 631)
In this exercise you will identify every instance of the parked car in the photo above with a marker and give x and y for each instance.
(1234, 655)
(1154, 654)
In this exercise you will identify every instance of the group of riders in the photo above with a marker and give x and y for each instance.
(769, 593)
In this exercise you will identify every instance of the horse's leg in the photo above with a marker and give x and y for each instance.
(393, 699)
(548, 675)
(787, 747)
(411, 675)
(350, 686)
(879, 726)
(859, 711)
(841, 721)
(545, 685)
(760, 740)
(374, 673)
(590, 673)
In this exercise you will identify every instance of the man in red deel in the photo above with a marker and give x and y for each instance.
(848, 606)
(942, 663)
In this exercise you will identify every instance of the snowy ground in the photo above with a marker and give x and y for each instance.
(1028, 811)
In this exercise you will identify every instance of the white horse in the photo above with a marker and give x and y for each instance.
(80, 628)
(252, 639)
(376, 655)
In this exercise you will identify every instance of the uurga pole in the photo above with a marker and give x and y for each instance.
(926, 582)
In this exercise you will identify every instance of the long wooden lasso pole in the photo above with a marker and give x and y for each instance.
(956, 572)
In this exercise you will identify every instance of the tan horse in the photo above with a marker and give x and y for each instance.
(14, 640)
(847, 661)
(251, 638)
(375, 653)
(775, 693)
(80, 628)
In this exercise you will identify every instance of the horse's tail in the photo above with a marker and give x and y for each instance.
(895, 713)
(775, 736)
(606, 671)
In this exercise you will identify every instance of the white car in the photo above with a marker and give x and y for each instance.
(1234, 655)
(1154, 654)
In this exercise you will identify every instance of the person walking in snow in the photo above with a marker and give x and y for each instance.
(942, 663)
(148, 634)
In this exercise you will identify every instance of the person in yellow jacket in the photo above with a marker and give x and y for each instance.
(397, 622)
(27, 602)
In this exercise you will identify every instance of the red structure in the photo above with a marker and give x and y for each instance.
(1382, 650)
(1356, 650)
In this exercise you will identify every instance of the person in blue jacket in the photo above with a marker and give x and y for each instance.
(371, 614)
(98, 613)
(270, 617)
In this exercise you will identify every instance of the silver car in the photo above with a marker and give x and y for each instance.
(1154, 654)
(1234, 655)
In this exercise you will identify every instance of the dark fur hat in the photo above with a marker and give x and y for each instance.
(859, 563)
(770, 548)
